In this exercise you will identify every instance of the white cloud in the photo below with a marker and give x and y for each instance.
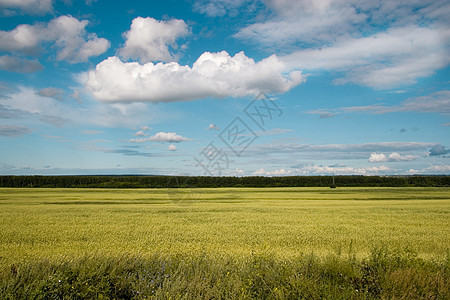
(323, 113)
(285, 152)
(377, 157)
(343, 170)
(161, 137)
(94, 46)
(218, 8)
(393, 157)
(438, 102)
(274, 131)
(24, 38)
(149, 39)
(213, 127)
(25, 101)
(69, 35)
(439, 168)
(167, 137)
(172, 148)
(51, 92)
(238, 172)
(121, 115)
(140, 133)
(34, 7)
(212, 75)
(19, 65)
(28, 101)
(383, 60)
(435, 169)
(66, 33)
(259, 172)
(308, 21)
(351, 149)
(382, 168)
(319, 23)
(381, 44)
(278, 172)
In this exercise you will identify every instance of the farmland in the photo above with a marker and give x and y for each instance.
(224, 230)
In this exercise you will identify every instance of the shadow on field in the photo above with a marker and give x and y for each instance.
(181, 191)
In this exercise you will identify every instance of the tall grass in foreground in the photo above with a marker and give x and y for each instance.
(383, 275)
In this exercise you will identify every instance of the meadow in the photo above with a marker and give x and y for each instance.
(280, 243)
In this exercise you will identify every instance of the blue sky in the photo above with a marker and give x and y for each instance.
(226, 87)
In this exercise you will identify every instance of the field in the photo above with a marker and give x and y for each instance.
(375, 242)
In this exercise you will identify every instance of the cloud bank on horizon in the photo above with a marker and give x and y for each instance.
(374, 72)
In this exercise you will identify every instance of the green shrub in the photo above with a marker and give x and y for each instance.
(385, 274)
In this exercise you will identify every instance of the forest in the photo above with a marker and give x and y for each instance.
(148, 181)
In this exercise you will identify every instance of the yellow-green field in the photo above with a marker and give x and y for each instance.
(65, 223)
(221, 230)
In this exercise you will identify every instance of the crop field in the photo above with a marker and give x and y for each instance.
(275, 243)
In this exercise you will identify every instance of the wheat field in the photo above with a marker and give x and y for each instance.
(61, 226)
(65, 223)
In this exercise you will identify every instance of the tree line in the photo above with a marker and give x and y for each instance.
(209, 182)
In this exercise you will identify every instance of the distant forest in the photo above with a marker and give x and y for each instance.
(208, 182)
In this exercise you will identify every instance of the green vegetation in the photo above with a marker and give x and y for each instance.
(382, 275)
(210, 182)
(280, 243)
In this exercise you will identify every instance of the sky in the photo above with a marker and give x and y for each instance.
(225, 87)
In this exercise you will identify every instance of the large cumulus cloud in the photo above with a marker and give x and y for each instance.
(212, 75)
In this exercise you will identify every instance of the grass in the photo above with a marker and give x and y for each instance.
(273, 243)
